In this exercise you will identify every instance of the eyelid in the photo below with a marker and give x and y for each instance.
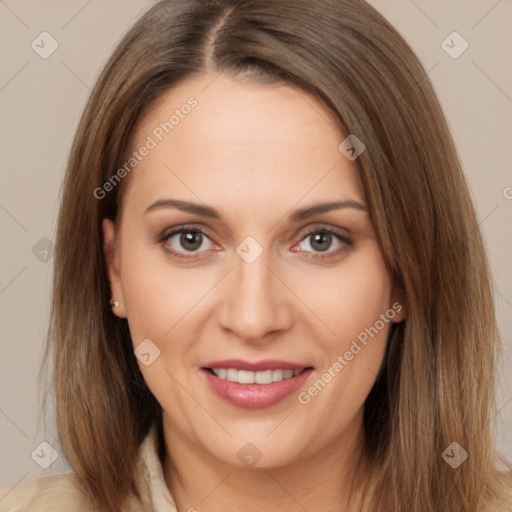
(171, 231)
(338, 233)
(342, 233)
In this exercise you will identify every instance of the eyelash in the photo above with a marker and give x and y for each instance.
(181, 229)
(347, 242)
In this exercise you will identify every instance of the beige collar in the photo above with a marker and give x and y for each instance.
(155, 495)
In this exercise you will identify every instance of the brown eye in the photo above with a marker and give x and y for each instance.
(185, 241)
(191, 240)
(321, 241)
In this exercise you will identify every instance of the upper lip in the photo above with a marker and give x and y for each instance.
(255, 366)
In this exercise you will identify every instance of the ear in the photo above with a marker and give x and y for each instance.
(113, 268)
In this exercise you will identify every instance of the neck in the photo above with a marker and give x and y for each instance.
(320, 482)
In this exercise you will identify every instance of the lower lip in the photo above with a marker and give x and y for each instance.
(255, 396)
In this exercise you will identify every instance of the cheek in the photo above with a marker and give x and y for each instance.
(157, 295)
(355, 303)
(160, 303)
(145, 303)
(351, 297)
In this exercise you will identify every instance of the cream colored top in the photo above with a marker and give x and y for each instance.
(60, 493)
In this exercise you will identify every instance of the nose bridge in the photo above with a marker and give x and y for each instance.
(256, 304)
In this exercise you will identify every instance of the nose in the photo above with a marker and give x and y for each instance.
(255, 305)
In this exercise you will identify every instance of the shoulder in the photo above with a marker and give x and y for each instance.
(49, 494)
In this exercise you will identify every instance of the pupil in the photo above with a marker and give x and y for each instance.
(321, 241)
(191, 240)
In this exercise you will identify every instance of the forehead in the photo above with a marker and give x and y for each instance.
(229, 141)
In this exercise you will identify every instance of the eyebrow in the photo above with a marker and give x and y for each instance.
(296, 216)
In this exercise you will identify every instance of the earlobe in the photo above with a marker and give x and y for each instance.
(113, 269)
(398, 307)
(400, 314)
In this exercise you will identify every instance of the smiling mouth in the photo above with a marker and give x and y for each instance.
(252, 385)
(255, 384)
(260, 377)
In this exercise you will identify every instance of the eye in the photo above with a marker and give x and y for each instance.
(186, 240)
(323, 241)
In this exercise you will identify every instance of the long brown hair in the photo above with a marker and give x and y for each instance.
(437, 382)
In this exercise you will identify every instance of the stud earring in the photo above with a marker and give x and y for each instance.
(114, 303)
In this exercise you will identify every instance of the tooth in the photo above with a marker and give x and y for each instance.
(245, 377)
(264, 377)
(248, 377)
(232, 375)
(277, 375)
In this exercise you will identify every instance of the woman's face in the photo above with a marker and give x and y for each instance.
(245, 261)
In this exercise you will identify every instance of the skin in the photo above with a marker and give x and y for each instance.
(255, 153)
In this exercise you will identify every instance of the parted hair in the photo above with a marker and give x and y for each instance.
(437, 382)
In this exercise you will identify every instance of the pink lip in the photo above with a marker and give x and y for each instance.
(255, 396)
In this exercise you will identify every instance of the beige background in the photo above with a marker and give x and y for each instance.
(40, 104)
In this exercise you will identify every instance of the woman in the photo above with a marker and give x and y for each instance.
(270, 287)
